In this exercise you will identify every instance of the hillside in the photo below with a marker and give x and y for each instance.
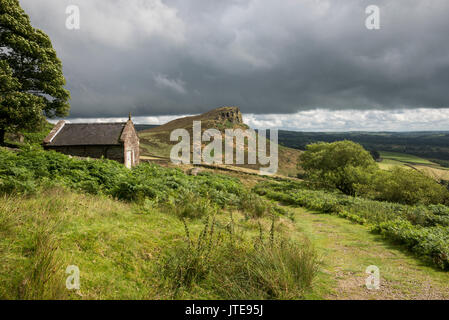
(155, 142)
(134, 234)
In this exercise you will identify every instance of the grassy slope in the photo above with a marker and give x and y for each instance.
(108, 242)
(118, 246)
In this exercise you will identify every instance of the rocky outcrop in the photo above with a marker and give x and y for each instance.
(210, 119)
(231, 114)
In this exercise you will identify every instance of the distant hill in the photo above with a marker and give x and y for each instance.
(142, 127)
(155, 142)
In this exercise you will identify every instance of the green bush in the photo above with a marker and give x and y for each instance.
(192, 206)
(254, 206)
(341, 165)
(430, 243)
(349, 168)
(406, 186)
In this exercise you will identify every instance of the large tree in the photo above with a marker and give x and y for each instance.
(31, 79)
(342, 165)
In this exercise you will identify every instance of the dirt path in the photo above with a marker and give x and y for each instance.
(346, 250)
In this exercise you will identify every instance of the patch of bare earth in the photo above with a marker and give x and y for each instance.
(352, 286)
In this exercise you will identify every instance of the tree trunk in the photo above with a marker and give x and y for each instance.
(2, 136)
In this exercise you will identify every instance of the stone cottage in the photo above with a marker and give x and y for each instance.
(115, 141)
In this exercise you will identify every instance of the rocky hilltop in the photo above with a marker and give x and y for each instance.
(231, 114)
(217, 118)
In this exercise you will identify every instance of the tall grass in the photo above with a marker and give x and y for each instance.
(283, 270)
(191, 263)
(221, 261)
(44, 276)
(35, 272)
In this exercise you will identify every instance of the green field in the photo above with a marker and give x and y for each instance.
(431, 169)
(405, 158)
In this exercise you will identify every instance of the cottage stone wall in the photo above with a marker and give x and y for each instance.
(115, 153)
(131, 143)
(110, 152)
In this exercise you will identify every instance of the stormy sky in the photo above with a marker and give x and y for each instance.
(294, 64)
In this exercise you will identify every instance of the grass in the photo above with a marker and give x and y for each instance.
(403, 157)
(422, 229)
(231, 268)
(431, 169)
(120, 247)
(110, 246)
(437, 173)
(388, 164)
(348, 248)
(212, 241)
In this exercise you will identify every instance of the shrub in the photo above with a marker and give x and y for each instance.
(347, 167)
(430, 243)
(254, 206)
(192, 206)
(341, 164)
(406, 186)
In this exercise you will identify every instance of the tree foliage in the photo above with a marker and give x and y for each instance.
(405, 186)
(348, 167)
(341, 164)
(31, 79)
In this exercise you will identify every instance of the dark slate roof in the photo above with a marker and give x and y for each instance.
(77, 134)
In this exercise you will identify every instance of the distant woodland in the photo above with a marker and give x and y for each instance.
(430, 145)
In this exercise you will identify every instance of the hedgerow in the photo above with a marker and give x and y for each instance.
(432, 242)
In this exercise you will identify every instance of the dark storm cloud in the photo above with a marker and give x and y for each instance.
(183, 57)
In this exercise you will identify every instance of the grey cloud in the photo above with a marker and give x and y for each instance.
(159, 57)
